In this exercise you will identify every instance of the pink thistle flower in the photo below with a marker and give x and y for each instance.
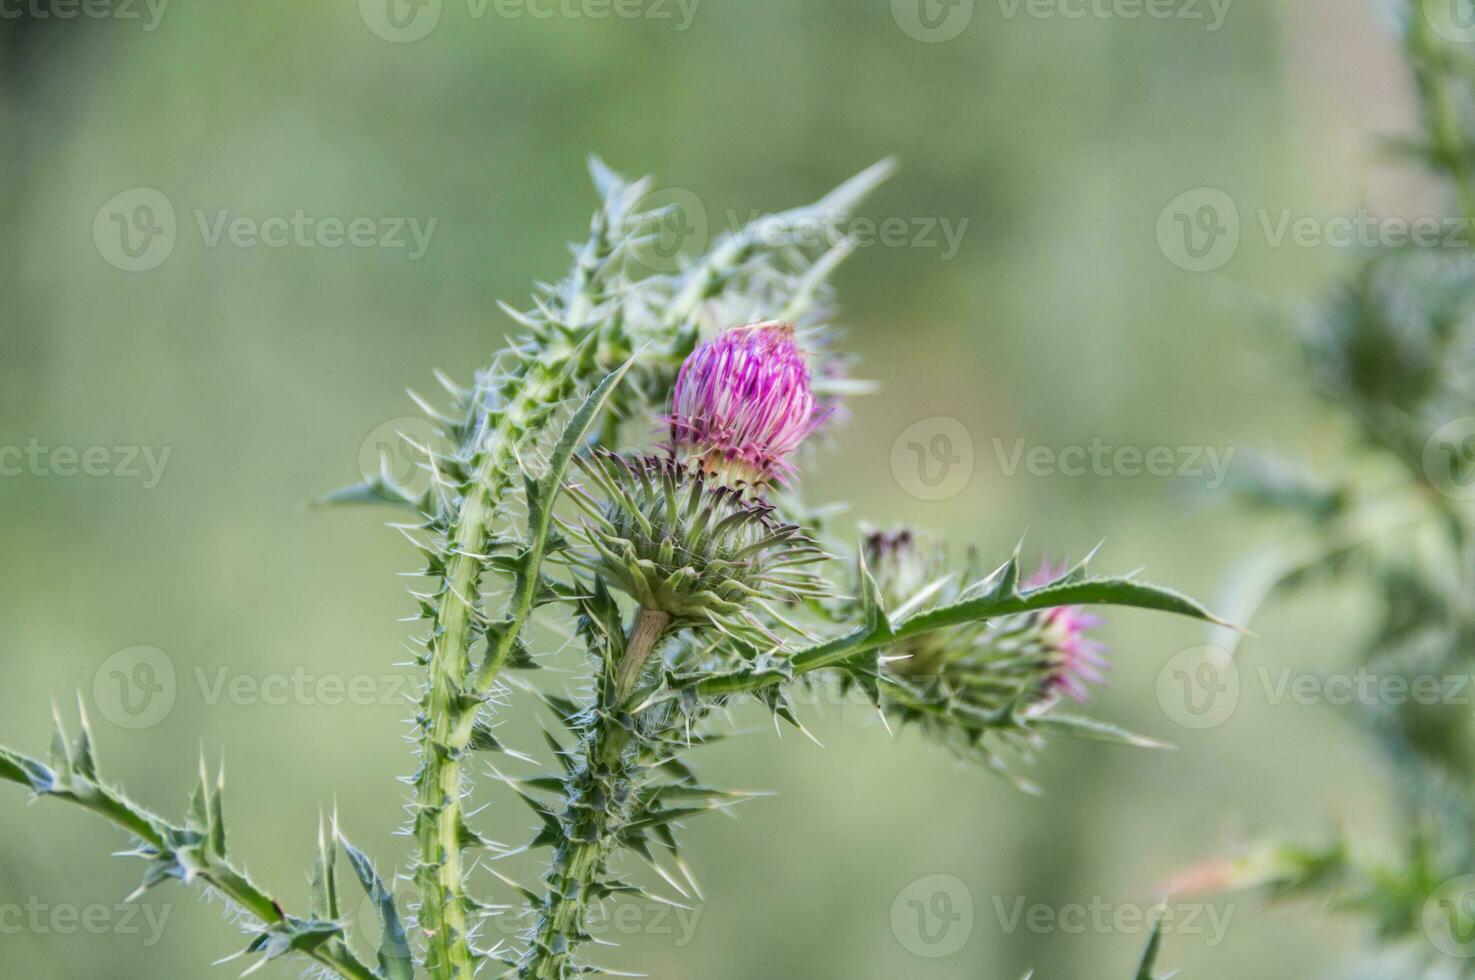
(1076, 659)
(742, 405)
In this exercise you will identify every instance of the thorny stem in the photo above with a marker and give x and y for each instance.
(451, 713)
(233, 884)
(450, 721)
(598, 793)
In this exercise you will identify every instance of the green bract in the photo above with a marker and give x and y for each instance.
(682, 544)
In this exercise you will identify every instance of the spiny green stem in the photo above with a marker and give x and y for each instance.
(598, 794)
(450, 719)
(233, 884)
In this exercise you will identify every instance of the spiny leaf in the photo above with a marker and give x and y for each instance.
(1149, 958)
(395, 962)
(1089, 729)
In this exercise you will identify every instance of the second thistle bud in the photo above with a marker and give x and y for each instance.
(1034, 657)
(743, 403)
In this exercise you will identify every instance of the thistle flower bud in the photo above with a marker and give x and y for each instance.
(696, 551)
(742, 404)
(1074, 657)
(1034, 657)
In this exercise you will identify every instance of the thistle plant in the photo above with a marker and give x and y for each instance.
(623, 468)
(1393, 352)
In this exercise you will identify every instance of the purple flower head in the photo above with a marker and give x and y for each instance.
(743, 404)
(1076, 658)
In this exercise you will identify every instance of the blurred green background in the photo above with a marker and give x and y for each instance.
(1060, 320)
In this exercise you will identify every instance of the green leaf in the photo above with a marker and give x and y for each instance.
(395, 961)
(1149, 958)
(1089, 729)
(27, 771)
(1085, 592)
(325, 876)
